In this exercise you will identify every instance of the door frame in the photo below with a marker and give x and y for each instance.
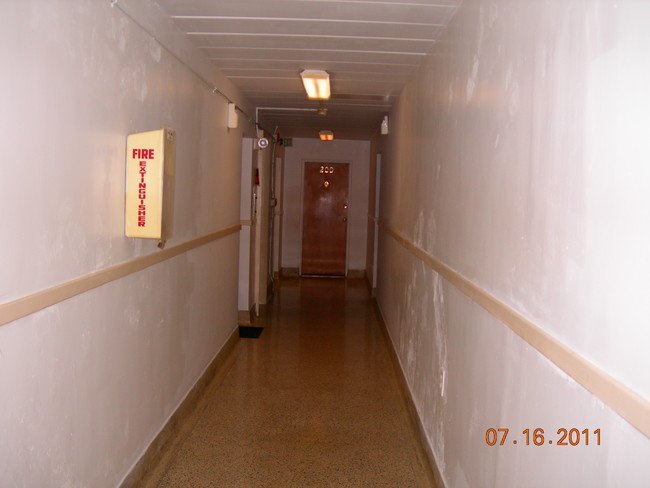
(302, 205)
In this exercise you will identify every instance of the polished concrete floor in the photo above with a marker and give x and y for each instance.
(314, 402)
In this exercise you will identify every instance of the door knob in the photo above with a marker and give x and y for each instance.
(345, 219)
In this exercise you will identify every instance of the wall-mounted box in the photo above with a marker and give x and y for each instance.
(150, 159)
(233, 118)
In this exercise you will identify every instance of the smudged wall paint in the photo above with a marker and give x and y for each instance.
(86, 384)
(518, 159)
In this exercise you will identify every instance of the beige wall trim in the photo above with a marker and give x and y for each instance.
(156, 459)
(33, 303)
(627, 403)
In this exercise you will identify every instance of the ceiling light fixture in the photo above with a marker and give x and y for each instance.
(326, 135)
(317, 84)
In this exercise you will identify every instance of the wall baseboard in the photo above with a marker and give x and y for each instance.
(262, 309)
(356, 273)
(426, 455)
(269, 291)
(244, 317)
(368, 280)
(295, 273)
(289, 273)
(155, 460)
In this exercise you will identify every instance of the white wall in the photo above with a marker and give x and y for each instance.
(86, 384)
(357, 153)
(246, 298)
(262, 224)
(277, 210)
(518, 157)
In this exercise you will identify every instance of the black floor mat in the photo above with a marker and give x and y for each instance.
(250, 332)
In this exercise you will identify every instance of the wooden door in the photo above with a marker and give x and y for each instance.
(325, 219)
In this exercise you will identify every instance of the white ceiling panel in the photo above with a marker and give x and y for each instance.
(332, 42)
(237, 67)
(388, 11)
(298, 27)
(292, 85)
(341, 76)
(371, 48)
(309, 56)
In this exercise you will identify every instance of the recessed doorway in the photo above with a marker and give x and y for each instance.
(325, 219)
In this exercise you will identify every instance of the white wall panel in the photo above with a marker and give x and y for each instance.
(517, 158)
(86, 384)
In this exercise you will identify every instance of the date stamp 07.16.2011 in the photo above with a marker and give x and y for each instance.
(537, 437)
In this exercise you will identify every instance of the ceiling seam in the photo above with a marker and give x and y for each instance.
(297, 19)
(293, 61)
(317, 36)
(398, 53)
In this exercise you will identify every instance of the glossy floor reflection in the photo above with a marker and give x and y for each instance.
(314, 402)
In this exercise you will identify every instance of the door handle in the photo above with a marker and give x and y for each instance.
(345, 219)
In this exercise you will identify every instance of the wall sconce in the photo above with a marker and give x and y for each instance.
(384, 125)
(316, 83)
(326, 135)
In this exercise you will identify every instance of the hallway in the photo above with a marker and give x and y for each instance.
(314, 402)
(155, 159)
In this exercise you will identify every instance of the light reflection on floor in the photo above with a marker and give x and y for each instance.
(314, 402)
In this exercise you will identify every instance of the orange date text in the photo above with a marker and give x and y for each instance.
(537, 437)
